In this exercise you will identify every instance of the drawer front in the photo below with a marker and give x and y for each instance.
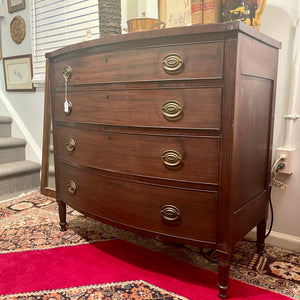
(181, 108)
(192, 159)
(165, 62)
(170, 211)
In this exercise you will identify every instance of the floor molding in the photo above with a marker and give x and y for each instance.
(278, 239)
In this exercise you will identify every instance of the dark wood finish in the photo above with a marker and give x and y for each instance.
(201, 61)
(219, 190)
(62, 209)
(122, 201)
(140, 154)
(223, 269)
(141, 107)
(261, 231)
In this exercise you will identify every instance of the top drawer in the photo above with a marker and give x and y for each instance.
(188, 61)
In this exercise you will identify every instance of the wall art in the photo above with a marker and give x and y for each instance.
(15, 5)
(18, 29)
(18, 73)
(175, 13)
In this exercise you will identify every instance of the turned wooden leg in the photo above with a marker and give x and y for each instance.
(260, 235)
(223, 267)
(62, 215)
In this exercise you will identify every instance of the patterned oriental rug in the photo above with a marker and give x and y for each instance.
(95, 261)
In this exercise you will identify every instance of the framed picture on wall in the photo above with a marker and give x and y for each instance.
(15, 5)
(175, 13)
(18, 73)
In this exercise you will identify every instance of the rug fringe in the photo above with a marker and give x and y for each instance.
(95, 286)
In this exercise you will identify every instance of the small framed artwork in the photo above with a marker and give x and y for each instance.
(18, 73)
(175, 13)
(15, 5)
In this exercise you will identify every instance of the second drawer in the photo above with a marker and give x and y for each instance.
(178, 107)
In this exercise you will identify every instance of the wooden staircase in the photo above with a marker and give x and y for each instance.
(17, 174)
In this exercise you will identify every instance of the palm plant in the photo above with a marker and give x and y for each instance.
(110, 17)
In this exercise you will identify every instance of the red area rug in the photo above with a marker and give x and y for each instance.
(92, 260)
(110, 262)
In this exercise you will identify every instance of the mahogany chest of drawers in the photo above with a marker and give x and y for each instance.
(168, 133)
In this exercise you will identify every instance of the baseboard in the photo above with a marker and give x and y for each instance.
(9, 197)
(33, 151)
(278, 239)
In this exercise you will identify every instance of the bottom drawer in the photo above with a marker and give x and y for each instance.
(188, 214)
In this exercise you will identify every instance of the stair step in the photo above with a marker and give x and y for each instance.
(19, 167)
(12, 149)
(19, 176)
(5, 126)
(5, 119)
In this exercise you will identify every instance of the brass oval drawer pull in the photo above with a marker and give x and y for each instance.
(67, 107)
(171, 158)
(170, 213)
(173, 62)
(67, 72)
(171, 109)
(70, 145)
(71, 187)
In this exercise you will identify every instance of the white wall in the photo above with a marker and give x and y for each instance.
(278, 21)
(27, 106)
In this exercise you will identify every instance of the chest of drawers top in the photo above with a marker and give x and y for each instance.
(194, 52)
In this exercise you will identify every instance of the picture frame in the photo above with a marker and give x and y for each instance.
(15, 5)
(175, 13)
(18, 73)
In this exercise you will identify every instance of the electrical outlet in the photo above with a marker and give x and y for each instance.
(287, 154)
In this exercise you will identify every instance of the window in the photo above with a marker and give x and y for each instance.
(59, 23)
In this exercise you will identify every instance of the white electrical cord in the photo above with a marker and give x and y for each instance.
(277, 183)
(275, 165)
(274, 169)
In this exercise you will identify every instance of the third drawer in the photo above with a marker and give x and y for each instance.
(175, 157)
